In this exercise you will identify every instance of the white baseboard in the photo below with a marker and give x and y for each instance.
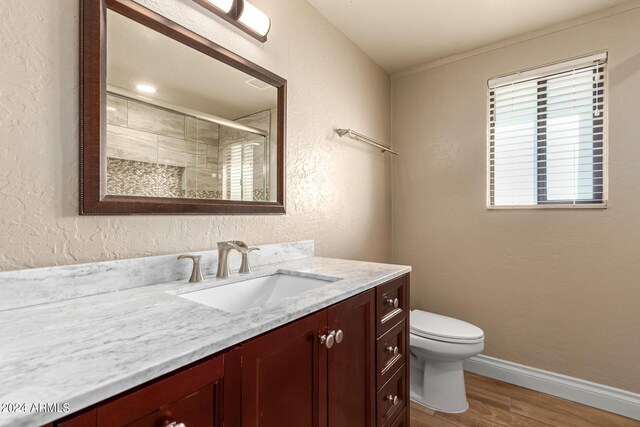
(599, 396)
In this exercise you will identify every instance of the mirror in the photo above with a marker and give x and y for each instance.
(184, 126)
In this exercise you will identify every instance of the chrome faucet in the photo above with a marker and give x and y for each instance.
(223, 254)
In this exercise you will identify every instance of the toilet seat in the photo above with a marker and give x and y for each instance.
(442, 328)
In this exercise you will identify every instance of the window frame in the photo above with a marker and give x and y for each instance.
(600, 143)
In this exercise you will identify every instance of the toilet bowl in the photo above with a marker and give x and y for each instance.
(438, 345)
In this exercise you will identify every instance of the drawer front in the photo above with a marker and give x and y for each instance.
(196, 409)
(391, 399)
(391, 304)
(183, 389)
(401, 421)
(86, 419)
(391, 352)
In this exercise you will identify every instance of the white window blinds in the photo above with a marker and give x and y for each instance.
(237, 177)
(547, 136)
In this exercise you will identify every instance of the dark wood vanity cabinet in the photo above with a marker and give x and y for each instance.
(283, 375)
(344, 366)
(351, 363)
(293, 377)
(190, 397)
(297, 376)
(392, 357)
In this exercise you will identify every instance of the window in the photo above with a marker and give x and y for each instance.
(547, 136)
(237, 177)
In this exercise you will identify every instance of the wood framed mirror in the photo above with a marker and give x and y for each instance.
(172, 123)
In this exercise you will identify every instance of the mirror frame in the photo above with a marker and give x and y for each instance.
(93, 98)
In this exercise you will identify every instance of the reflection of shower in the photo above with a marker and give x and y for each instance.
(235, 124)
(206, 151)
(134, 178)
(244, 160)
(243, 176)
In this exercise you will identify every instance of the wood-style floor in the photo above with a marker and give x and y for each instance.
(495, 403)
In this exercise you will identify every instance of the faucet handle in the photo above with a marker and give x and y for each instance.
(245, 268)
(196, 273)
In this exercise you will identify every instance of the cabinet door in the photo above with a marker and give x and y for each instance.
(284, 376)
(351, 364)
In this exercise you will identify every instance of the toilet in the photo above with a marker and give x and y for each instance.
(439, 344)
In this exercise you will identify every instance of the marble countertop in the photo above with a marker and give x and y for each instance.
(81, 351)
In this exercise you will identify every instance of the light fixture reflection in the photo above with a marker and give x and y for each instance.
(223, 5)
(255, 19)
(144, 88)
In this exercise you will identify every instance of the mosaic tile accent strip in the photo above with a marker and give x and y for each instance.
(204, 194)
(259, 195)
(133, 178)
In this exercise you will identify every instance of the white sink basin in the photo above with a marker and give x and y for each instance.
(241, 296)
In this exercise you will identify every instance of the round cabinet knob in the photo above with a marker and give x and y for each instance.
(393, 399)
(339, 336)
(393, 350)
(392, 301)
(175, 424)
(329, 339)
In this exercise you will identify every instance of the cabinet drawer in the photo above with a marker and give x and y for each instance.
(401, 421)
(391, 399)
(196, 409)
(190, 391)
(85, 419)
(391, 352)
(391, 304)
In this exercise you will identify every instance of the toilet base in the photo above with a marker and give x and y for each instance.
(438, 410)
(443, 390)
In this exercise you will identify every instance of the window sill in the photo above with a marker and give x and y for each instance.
(551, 206)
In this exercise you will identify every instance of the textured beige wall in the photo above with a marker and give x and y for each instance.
(338, 193)
(554, 289)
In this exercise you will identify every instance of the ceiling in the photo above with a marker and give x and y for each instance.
(400, 34)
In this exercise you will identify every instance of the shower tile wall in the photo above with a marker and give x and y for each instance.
(139, 132)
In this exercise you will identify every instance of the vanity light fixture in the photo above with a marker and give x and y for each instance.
(242, 14)
(144, 88)
(255, 19)
(223, 5)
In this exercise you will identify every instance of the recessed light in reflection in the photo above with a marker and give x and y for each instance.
(111, 109)
(144, 88)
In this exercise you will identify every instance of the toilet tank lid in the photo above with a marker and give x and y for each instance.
(434, 325)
